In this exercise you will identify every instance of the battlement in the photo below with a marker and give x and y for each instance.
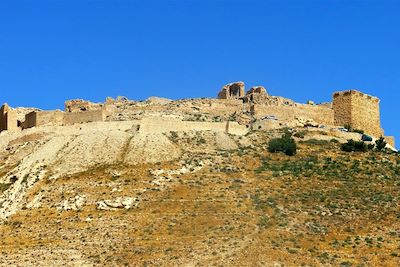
(349, 107)
(356, 93)
(359, 110)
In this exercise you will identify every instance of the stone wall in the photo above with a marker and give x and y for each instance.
(43, 118)
(167, 124)
(8, 119)
(232, 91)
(57, 118)
(84, 116)
(320, 114)
(358, 110)
(78, 105)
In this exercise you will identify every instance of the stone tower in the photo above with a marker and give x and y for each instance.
(8, 119)
(358, 110)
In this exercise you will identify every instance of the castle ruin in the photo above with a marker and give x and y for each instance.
(233, 104)
(8, 118)
(348, 108)
(358, 110)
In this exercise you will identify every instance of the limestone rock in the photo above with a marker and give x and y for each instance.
(122, 99)
(118, 203)
(158, 100)
(303, 122)
(75, 203)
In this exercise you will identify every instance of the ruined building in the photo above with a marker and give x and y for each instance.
(76, 111)
(358, 110)
(232, 91)
(351, 107)
(8, 118)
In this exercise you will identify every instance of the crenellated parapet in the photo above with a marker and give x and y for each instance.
(359, 110)
(356, 93)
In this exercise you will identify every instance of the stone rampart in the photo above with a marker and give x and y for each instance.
(43, 118)
(8, 119)
(358, 110)
(320, 114)
(78, 105)
(167, 124)
(84, 116)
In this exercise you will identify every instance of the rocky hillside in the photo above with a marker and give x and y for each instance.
(105, 194)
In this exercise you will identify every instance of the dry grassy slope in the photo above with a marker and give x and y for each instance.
(224, 201)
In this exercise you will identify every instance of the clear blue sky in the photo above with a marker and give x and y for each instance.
(55, 50)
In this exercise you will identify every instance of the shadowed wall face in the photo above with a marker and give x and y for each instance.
(8, 119)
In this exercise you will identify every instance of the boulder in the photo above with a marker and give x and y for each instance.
(303, 122)
(75, 204)
(118, 203)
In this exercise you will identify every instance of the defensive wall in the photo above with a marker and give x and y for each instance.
(43, 118)
(82, 117)
(8, 119)
(358, 110)
(320, 114)
(58, 117)
(168, 124)
(350, 107)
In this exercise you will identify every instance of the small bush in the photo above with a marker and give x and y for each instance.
(371, 146)
(300, 134)
(380, 144)
(315, 142)
(348, 127)
(358, 131)
(354, 146)
(353, 130)
(285, 144)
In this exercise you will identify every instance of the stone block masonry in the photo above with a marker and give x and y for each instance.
(358, 110)
(58, 118)
(43, 118)
(232, 112)
(82, 117)
(8, 119)
(232, 91)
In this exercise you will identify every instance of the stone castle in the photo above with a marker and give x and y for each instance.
(233, 105)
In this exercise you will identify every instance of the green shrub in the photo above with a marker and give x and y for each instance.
(315, 142)
(300, 134)
(354, 146)
(371, 146)
(348, 127)
(358, 131)
(380, 144)
(353, 130)
(285, 144)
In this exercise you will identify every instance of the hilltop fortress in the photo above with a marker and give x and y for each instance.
(234, 111)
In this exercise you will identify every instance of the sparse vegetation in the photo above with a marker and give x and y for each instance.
(380, 144)
(354, 130)
(354, 146)
(285, 144)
